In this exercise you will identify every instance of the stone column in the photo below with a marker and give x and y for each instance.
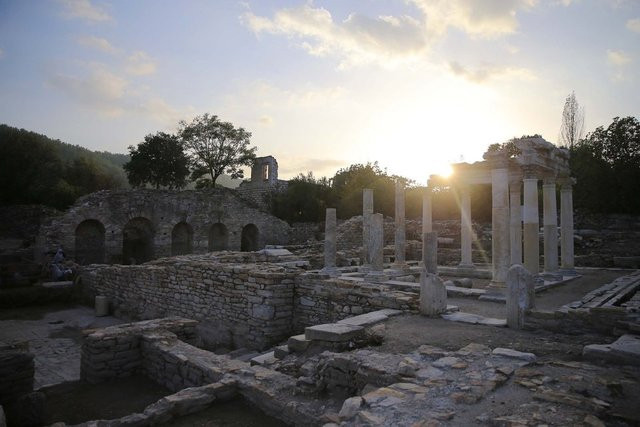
(330, 243)
(430, 252)
(401, 238)
(500, 256)
(367, 211)
(566, 226)
(531, 226)
(515, 232)
(433, 295)
(376, 246)
(550, 224)
(466, 228)
(520, 295)
(427, 219)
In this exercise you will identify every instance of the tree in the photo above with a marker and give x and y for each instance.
(159, 160)
(216, 147)
(304, 200)
(606, 165)
(572, 122)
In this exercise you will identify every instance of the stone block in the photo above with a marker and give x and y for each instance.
(433, 295)
(265, 359)
(520, 295)
(334, 332)
(281, 351)
(514, 354)
(298, 343)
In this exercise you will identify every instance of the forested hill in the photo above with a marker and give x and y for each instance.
(35, 169)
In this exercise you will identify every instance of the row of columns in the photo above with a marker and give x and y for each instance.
(511, 222)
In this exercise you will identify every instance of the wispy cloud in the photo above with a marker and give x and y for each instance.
(634, 25)
(100, 89)
(139, 63)
(387, 39)
(97, 43)
(618, 57)
(84, 9)
(485, 73)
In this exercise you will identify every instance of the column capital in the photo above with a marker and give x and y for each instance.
(566, 183)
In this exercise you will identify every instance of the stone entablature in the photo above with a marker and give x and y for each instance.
(134, 226)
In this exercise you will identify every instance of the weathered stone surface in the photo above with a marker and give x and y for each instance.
(474, 319)
(333, 332)
(350, 407)
(520, 295)
(625, 350)
(370, 318)
(433, 295)
(514, 354)
(265, 359)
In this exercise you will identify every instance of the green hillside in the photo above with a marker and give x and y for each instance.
(35, 169)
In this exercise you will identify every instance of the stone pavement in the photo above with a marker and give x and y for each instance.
(55, 340)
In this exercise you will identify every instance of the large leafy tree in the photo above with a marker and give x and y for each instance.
(216, 147)
(607, 167)
(159, 160)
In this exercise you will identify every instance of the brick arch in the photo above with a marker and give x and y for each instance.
(218, 237)
(250, 238)
(137, 241)
(90, 242)
(181, 239)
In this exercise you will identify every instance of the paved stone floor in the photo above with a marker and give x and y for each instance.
(55, 340)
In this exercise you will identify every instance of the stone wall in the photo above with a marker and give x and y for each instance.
(319, 299)
(247, 300)
(135, 226)
(16, 371)
(115, 352)
(303, 232)
(251, 302)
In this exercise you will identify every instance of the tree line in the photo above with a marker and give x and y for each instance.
(605, 163)
(35, 169)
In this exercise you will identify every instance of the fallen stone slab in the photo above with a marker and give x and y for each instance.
(370, 318)
(265, 359)
(474, 319)
(58, 285)
(625, 350)
(275, 252)
(514, 354)
(458, 291)
(298, 343)
(333, 332)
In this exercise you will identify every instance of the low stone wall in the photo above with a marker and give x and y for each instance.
(176, 364)
(16, 371)
(115, 352)
(303, 232)
(252, 302)
(319, 299)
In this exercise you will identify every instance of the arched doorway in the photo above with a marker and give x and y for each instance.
(218, 237)
(90, 242)
(137, 241)
(250, 238)
(181, 239)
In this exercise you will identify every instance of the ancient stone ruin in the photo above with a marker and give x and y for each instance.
(202, 294)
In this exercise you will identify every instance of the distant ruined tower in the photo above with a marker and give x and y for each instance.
(264, 180)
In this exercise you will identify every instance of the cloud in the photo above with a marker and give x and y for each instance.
(100, 89)
(487, 18)
(388, 39)
(618, 58)
(266, 120)
(634, 25)
(83, 9)
(485, 73)
(140, 64)
(97, 43)
(357, 39)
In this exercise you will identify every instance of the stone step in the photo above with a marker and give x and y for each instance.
(625, 350)
(264, 359)
(370, 318)
(298, 343)
(333, 332)
(474, 319)
(281, 351)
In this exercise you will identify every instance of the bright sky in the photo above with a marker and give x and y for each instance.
(414, 84)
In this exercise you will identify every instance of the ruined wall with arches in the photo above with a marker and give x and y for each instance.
(135, 226)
